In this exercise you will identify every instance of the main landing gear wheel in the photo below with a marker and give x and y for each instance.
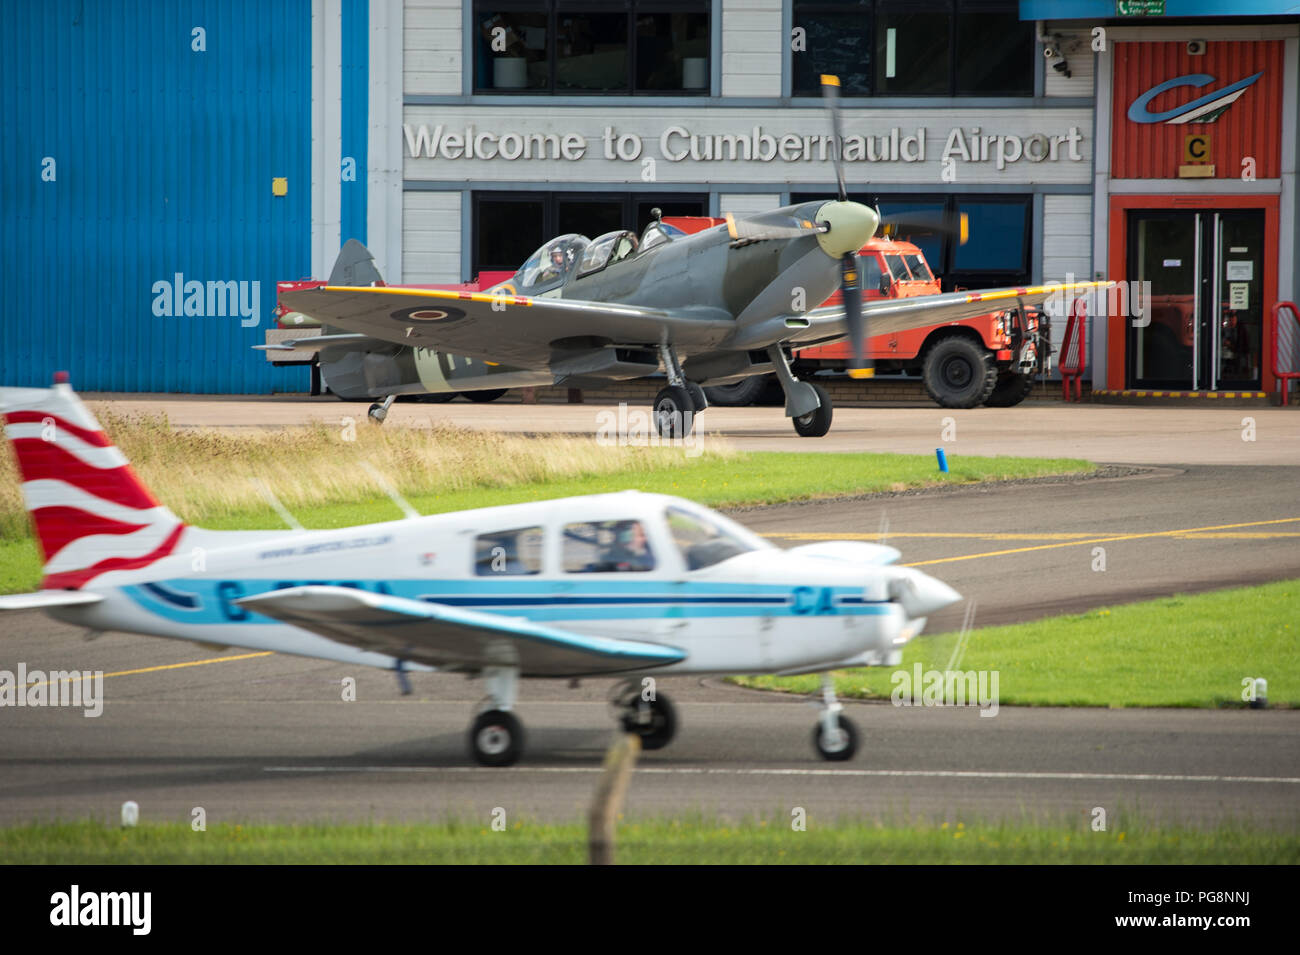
(377, 413)
(838, 743)
(496, 738)
(698, 400)
(816, 423)
(674, 412)
(655, 721)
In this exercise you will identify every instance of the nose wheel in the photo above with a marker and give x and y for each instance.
(834, 737)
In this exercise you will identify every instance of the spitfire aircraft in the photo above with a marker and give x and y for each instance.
(626, 585)
(709, 308)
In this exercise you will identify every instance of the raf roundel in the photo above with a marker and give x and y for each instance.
(440, 314)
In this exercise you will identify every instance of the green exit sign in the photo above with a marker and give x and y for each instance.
(1140, 8)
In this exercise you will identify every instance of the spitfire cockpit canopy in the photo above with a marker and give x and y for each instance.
(549, 266)
(609, 248)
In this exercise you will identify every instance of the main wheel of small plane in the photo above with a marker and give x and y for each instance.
(660, 727)
(698, 399)
(377, 412)
(840, 745)
(674, 412)
(816, 423)
(496, 738)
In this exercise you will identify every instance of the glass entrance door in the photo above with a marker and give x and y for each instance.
(1206, 310)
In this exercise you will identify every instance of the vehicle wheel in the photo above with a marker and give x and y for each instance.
(699, 401)
(377, 413)
(843, 746)
(959, 373)
(659, 732)
(737, 394)
(496, 738)
(674, 412)
(1010, 390)
(816, 423)
(490, 394)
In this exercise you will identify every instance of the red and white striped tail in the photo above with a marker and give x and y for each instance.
(92, 514)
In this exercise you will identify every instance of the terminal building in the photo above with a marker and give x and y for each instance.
(1145, 142)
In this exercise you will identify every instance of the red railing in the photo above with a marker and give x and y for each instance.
(1284, 330)
(1074, 350)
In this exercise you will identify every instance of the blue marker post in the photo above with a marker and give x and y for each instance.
(943, 460)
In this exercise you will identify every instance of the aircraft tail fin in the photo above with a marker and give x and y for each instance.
(91, 512)
(355, 266)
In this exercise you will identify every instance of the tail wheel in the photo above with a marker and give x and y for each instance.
(839, 744)
(1010, 390)
(816, 423)
(656, 725)
(496, 738)
(959, 372)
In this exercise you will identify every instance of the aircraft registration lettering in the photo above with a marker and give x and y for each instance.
(813, 600)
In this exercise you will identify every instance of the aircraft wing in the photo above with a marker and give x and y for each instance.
(888, 315)
(511, 329)
(451, 638)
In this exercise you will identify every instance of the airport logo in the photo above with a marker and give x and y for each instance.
(946, 688)
(74, 908)
(84, 688)
(635, 428)
(1205, 109)
(211, 299)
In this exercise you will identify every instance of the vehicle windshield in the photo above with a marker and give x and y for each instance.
(705, 540)
(897, 269)
(920, 271)
(548, 267)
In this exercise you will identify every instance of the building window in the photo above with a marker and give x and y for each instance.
(510, 226)
(997, 253)
(580, 46)
(915, 48)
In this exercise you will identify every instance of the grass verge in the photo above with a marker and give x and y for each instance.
(319, 473)
(660, 841)
(1191, 651)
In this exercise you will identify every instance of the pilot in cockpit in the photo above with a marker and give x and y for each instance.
(558, 267)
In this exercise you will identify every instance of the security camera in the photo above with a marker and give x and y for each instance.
(1195, 47)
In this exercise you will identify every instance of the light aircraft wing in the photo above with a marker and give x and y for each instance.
(452, 638)
(48, 598)
(890, 315)
(511, 329)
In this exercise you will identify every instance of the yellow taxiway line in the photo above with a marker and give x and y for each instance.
(166, 666)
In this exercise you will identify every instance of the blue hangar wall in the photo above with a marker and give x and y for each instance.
(140, 144)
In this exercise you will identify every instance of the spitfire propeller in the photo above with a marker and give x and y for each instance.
(850, 286)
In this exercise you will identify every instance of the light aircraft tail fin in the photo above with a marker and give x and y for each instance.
(355, 266)
(91, 512)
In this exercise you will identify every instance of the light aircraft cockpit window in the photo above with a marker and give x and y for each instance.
(550, 265)
(657, 233)
(609, 248)
(508, 553)
(920, 271)
(605, 547)
(705, 542)
(897, 269)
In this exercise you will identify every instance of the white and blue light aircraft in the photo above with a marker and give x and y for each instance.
(625, 585)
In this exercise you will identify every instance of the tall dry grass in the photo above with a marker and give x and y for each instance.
(205, 473)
